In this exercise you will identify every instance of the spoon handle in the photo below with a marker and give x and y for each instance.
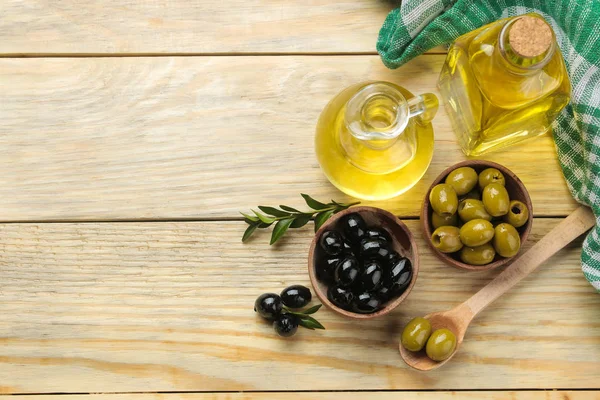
(564, 233)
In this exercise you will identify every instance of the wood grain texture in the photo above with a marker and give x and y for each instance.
(499, 395)
(181, 26)
(198, 137)
(118, 307)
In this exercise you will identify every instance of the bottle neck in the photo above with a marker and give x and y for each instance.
(524, 63)
(378, 113)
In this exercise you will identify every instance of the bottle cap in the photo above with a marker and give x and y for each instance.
(530, 36)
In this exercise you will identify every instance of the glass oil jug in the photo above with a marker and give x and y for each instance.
(504, 83)
(374, 140)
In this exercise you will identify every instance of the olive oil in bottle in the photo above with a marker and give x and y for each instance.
(504, 83)
(374, 140)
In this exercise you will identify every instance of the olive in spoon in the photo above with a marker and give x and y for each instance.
(459, 318)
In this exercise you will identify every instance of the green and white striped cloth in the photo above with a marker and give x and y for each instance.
(419, 25)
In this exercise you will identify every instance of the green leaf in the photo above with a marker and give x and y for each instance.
(321, 218)
(313, 309)
(249, 231)
(343, 206)
(290, 311)
(300, 221)
(310, 323)
(290, 209)
(273, 211)
(250, 217)
(307, 325)
(264, 218)
(263, 225)
(312, 203)
(280, 227)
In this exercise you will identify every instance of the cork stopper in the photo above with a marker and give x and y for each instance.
(530, 36)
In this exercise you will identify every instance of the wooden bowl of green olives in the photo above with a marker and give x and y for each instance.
(363, 262)
(476, 215)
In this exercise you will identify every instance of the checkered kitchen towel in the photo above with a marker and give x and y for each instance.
(419, 25)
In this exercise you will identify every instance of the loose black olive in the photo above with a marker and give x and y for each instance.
(296, 296)
(268, 305)
(286, 325)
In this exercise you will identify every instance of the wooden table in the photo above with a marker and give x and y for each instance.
(132, 133)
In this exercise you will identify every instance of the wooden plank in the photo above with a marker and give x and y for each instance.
(497, 395)
(190, 27)
(131, 307)
(198, 137)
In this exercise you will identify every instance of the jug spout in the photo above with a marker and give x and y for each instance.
(379, 112)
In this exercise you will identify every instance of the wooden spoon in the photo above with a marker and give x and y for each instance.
(459, 318)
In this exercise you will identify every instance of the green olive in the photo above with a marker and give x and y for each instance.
(517, 215)
(490, 175)
(474, 194)
(441, 344)
(495, 199)
(443, 199)
(446, 239)
(443, 220)
(507, 241)
(416, 333)
(470, 209)
(479, 255)
(476, 232)
(462, 179)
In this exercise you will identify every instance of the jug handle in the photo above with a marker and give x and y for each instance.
(423, 107)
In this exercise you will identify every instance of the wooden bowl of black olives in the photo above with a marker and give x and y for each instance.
(476, 215)
(363, 262)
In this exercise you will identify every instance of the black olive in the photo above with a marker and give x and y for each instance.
(383, 293)
(325, 268)
(340, 296)
(332, 243)
(347, 271)
(286, 325)
(392, 257)
(296, 296)
(372, 276)
(378, 233)
(366, 303)
(354, 227)
(268, 305)
(375, 248)
(399, 276)
(349, 249)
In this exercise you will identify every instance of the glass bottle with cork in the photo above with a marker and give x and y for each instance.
(504, 83)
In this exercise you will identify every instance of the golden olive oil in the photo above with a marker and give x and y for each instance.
(382, 163)
(496, 96)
